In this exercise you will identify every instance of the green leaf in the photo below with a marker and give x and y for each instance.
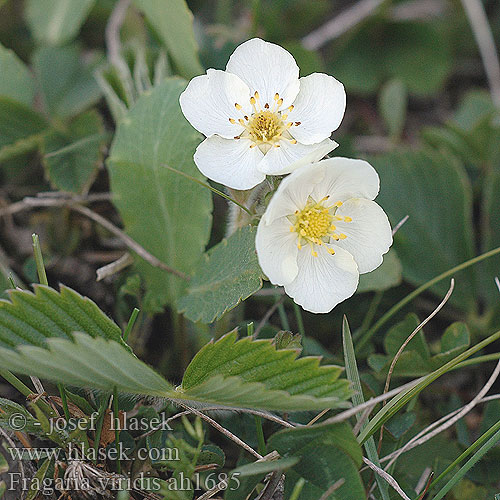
(392, 103)
(163, 211)
(9, 408)
(397, 402)
(32, 318)
(54, 22)
(218, 287)
(16, 81)
(388, 275)
(433, 190)
(105, 364)
(86, 362)
(358, 399)
(4, 466)
(21, 129)
(71, 160)
(490, 235)
(67, 84)
(454, 341)
(327, 454)
(38, 480)
(416, 53)
(173, 23)
(258, 360)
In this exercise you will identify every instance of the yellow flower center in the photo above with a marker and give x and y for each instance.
(266, 126)
(314, 224)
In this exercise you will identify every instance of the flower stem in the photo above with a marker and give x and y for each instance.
(208, 186)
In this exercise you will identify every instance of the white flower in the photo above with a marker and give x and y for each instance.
(321, 229)
(259, 117)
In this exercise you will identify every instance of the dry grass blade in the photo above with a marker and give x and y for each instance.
(384, 475)
(434, 429)
(408, 340)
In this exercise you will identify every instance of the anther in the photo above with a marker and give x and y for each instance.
(241, 121)
(294, 141)
(276, 96)
(256, 94)
(252, 100)
(342, 236)
(347, 219)
(232, 120)
(266, 105)
(237, 137)
(338, 204)
(297, 123)
(331, 251)
(290, 108)
(237, 106)
(246, 117)
(280, 102)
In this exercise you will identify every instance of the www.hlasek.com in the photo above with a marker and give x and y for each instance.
(83, 452)
(181, 482)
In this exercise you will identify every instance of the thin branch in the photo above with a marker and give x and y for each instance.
(340, 24)
(221, 429)
(387, 477)
(397, 227)
(486, 44)
(114, 267)
(334, 487)
(268, 314)
(29, 203)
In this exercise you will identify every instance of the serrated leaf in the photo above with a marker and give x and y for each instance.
(327, 454)
(218, 287)
(105, 364)
(72, 159)
(86, 362)
(388, 275)
(67, 84)
(166, 213)
(54, 22)
(434, 191)
(32, 318)
(173, 22)
(16, 81)
(259, 361)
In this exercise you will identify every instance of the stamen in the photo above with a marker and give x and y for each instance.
(238, 106)
(297, 123)
(347, 219)
(232, 120)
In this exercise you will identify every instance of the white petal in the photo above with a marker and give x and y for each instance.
(369, 235)
(277, 251)
(293, 192)
(347, 178)
(323, 281)
(209, 102)
(289, 157)
(231, 162)
(319, 107)
(266, 68)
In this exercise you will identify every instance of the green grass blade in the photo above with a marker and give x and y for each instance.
(358, 399)
(401, 399)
